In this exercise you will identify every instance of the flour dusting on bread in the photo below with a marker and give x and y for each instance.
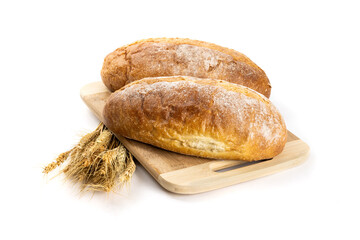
(240, 106)
(197, 58)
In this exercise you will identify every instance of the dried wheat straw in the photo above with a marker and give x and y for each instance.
(99, 162)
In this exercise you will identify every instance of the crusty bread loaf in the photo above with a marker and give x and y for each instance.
(177, 56)
(201, 117)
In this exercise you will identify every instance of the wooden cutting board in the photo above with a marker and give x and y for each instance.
(188, 175)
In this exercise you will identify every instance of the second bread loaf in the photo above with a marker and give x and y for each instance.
(158, 57)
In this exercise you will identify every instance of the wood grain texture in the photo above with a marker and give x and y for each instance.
(188, 175)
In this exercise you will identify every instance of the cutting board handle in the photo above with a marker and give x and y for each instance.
(219, 174)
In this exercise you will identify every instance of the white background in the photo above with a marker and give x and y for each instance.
(310, 52)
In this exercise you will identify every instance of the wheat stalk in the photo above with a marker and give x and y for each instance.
(99, 162)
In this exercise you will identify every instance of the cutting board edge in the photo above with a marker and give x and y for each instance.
(170, 181)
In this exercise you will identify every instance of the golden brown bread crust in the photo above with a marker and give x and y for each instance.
(201, 117)
(178, 56)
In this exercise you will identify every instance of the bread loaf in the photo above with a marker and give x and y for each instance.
(201, 117)
(176, 56)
